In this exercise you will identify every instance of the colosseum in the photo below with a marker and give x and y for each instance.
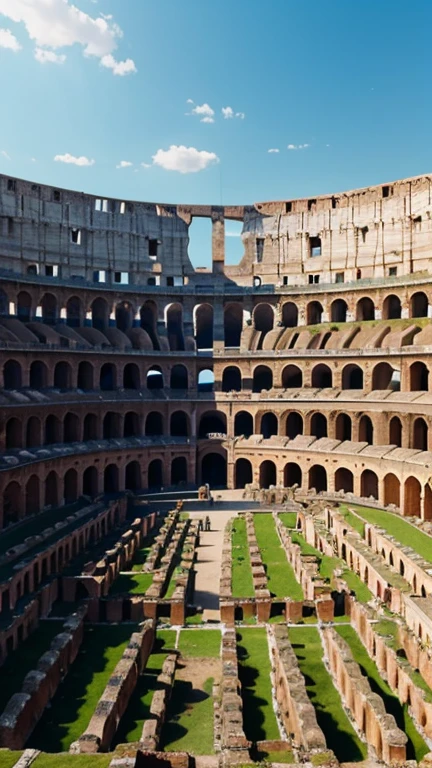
(216, 511)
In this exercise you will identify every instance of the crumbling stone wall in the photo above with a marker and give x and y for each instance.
(152, 727)
(229, 709)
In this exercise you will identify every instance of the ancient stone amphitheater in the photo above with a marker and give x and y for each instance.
(216, 518)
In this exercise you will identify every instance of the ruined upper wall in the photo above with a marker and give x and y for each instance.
(368, 233)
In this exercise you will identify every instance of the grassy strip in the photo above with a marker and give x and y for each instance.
(71, 761)
(189, 725)
(339, 733)
(138, 710)
(8, 758)
(280, 575)
(289, 519)
(416, 747)
(259, 719)
(132, 584)
(142, 553)
(200, 643)
(241, 579)
(25, 658)
(77, 696)
(389, 630)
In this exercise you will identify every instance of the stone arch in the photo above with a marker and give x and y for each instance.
(131, 376)
(392, 308)
(33, 432)
(179, 470)
(289, 314)
(51, 489)
(294, 425)
(243, 424)
(154, 424)
(111, 426)
(343, 427)
(12, 375)
(233, 324)
(24, 307)
(318, 478)
(214, 469)
(352, 377)
(269, 425)
(369, 484)
(420, 434)
(412, 497)
(174, 326)
(74, 312)
(32, 495)
(391, 490)
(267, 474)
(49, 309)
(90, 482)
(131, 425)
(203, 321)
(205, 380)
(382, 376)
(262, 378)
(14, 433)
(90, 427)
(419, 304)
(314, 313)
(263, 320)
(53, 430)
(100, 314)
(231, 379)
(338, 311)
(70, 486)
(179, 424)
(212, 422)
(365, 309)
(243, 473)
(12, 503)
(292, 376)
(71, 428)
(124, 316)
(395, 431)
(63, 375)
(419, 377)
(38, 378)
(111, 479)
(322, 376)
(154, 378)
(292, 475)
(133, 476)
(148, 321)
(318, 425)
(108, 377)
(344, 480)
(366, 430)
(179, 377)
(85, 379)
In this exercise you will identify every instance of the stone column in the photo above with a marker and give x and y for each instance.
(218, 241)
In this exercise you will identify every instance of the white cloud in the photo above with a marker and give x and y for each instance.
(184, 159)
(146, 165)
(298, 146)
(8, 40)
(273, 151)
(204, 111)
(3, 153)
(207, 120)
(67, 158)
(190, 101)
(54, 24)
(33, 160)
(124, 164)
(229, 114)
(232, 234)
(45, 56)
(240, 115)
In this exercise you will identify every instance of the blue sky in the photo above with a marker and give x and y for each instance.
(350, 80)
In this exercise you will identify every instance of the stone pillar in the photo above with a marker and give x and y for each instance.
(218, 328)
(218, 241)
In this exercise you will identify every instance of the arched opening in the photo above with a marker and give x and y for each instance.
(124, 316)
(108, 377)
(352, 377)
(154, 424)
(427, 504)
(178, 377)
(343, 427)
(111, 426)
(233, 324)
(32, 495)
(420, 435)
(206, 380)
(412, 497)
(204, 326)
(231, 379)
(243, 473)
(179, 474)
(212, 422)
(382, 377)
(391, 490)
(314, 313)
(338, 311)
(85, 377)
(73, 312)
(24, 304)
(111, 479)
(11, 503)
(318, 478)
(366, 430)
(267, 474)
(53, 430)
(292, 376)
(294, 425)
(133, 476)
(243, 424)
(70, 486)
(318, 425)
(12, 376)
(263, 320)
(148, 315)
(289, 314)
(4, 304)
(179, 424)
(13, 433)
(63, 376)
(155, 474)
(100, 314)
(269, 425)
(154, 378)
(174, 324)
(51, 490)
(214, 470)
(90, 427)
(369, 484)
(419, 377)
(49, 309)
(131, 376)
(391, 308)
(71, 428)
(131, 425)
(33, 432)
(292, 475)
(38, 375)
(262, 378)
(90, 482)
(419, 304)
(344, 480)
(365, 309)
(322, 377)
(395, 432)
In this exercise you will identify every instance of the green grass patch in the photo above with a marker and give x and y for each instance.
(8, 758)
(194, 618)
(65, 760)
(280, 575)
(200, 642)
(289, 519)
(259, 720)
(340, 734)
(25, 658)
(76, 698)
(416, 746)
(189, 724)
(131, 584)
(306, 549)
(241, 576)
(286, 757)
(355, 583)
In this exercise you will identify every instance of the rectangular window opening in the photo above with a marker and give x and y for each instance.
(285, 279)
(386, 191)
(11, 185)
(56, 196)
(392, 271)
(170, 281)
(121, 277)
(311, 203)
(51, 270)
(10, 225)
(315, 246)
(288, 207)
(75, 236)
(122, 208)
(340, 277)
(259, 249)
(99, 276)
(153, 248)
(316, 278)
